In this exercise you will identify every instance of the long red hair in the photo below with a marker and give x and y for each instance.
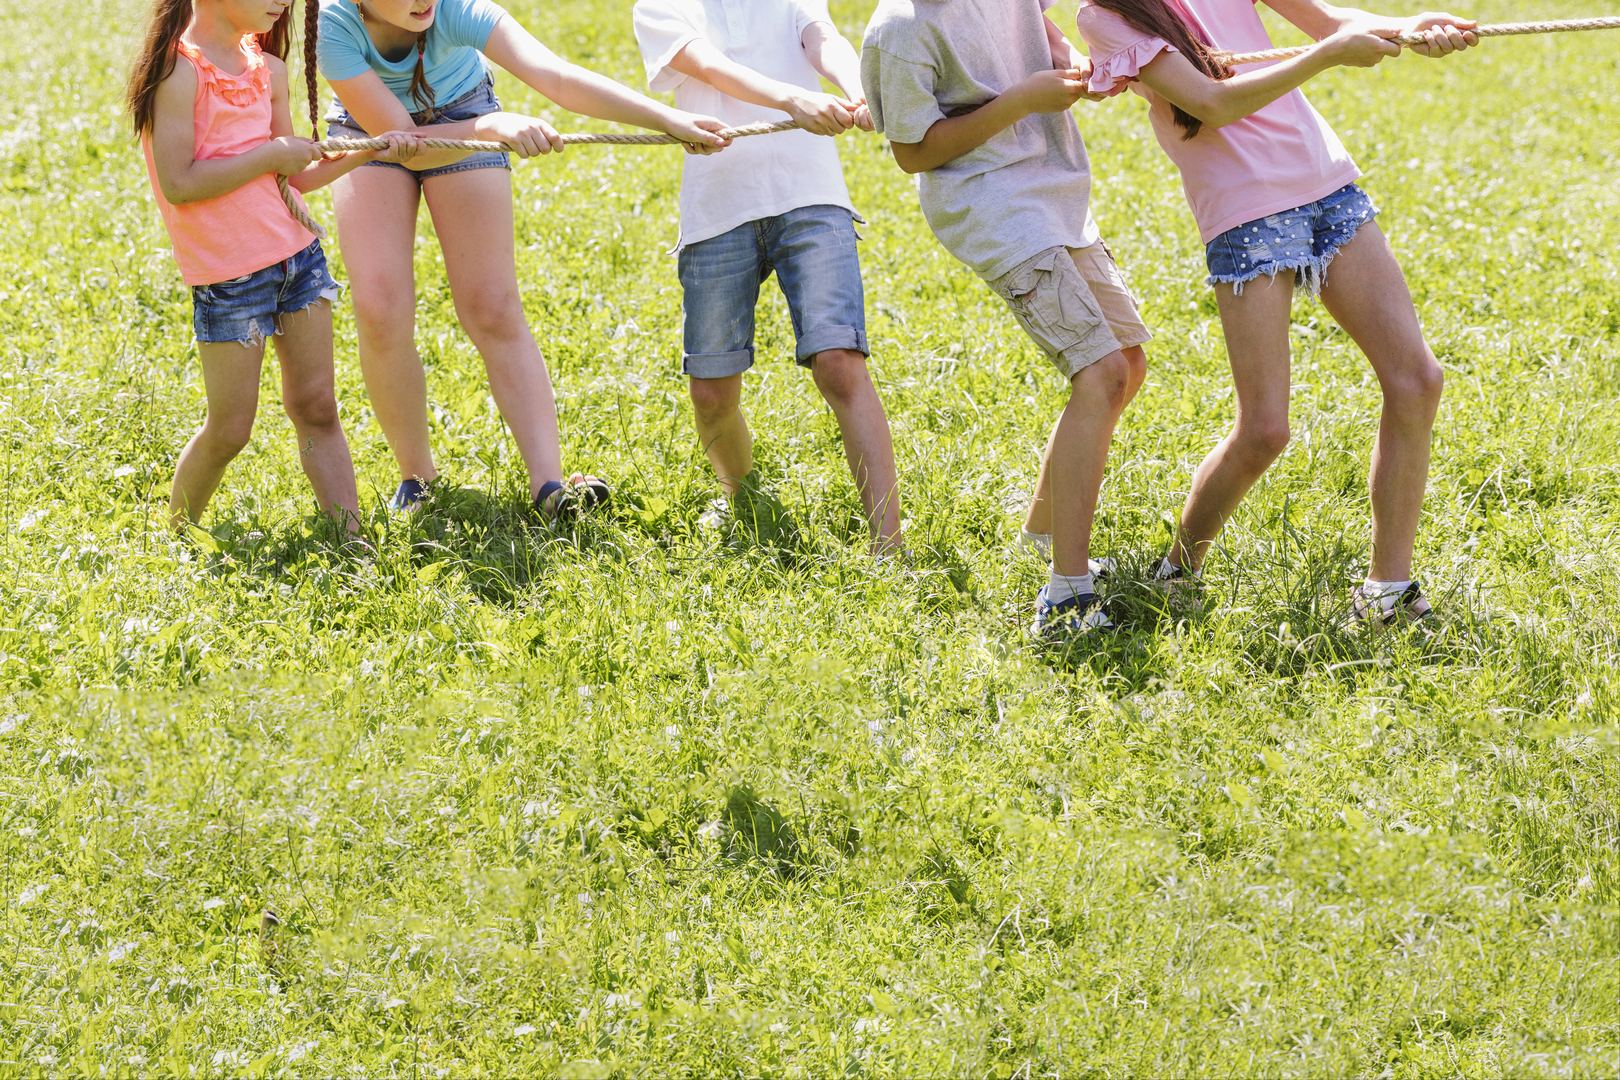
(156, 60)
(1162, 20)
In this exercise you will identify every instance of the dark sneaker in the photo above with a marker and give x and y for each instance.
(1075, 615)
(565, 500)
(409, 494)
(1409, 609)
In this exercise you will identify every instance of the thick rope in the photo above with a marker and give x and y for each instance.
(1496, 30)
(344, 146)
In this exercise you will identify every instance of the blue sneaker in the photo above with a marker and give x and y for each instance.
(410, 493)
(1075, 615)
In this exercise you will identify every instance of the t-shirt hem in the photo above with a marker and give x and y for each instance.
(772, 210)
(1007, 263)
(1276, 206)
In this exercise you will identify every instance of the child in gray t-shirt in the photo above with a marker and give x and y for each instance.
(974, 95)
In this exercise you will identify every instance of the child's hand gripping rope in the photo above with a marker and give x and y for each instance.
(1428, 36)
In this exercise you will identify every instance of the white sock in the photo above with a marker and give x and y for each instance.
(1385, 593)
(1167, 570)
(1061, 588)
(1039, 543)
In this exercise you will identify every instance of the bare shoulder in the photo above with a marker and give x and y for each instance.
(179, 86)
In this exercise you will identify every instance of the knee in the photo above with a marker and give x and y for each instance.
(312, 409)
(1263, 439)
(383, 317)
(1135, 364)
(495, 313)
(227, 436)
(713, 400)
(840, 375)
(1416, 389)
(1111, 377)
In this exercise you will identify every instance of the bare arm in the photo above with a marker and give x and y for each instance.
(949, 139)
(323, 171)
(181, 177)
(836, 61)
(820, 113)
(589, 94)
(1349, 38)
(1446, 34)
(1064, 55)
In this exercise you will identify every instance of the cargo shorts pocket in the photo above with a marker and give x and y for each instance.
(1051, 301)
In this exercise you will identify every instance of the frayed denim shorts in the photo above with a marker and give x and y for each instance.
(812, 252)
(479, 101)
(248, 309)
(1303, 240)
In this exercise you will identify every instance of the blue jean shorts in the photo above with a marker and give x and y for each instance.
(1303, 240)
(812, 252)
(248, 309)
(479, 101)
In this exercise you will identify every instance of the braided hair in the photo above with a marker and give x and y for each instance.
(312, 35)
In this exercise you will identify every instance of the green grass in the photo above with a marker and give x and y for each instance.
(636, 801)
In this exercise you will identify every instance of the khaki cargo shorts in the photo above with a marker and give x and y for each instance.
(1074, 304)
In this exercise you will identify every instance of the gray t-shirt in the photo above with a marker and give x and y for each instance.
(1025, 190)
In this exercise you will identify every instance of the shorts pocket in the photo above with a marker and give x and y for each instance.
(1048, 298)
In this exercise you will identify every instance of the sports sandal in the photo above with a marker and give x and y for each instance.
(1079, 613)
(564, 500)
(1410, 608)
(409, 494)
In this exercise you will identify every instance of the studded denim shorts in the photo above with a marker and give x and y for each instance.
(248, 309)
(476, 102)
(1303, 240)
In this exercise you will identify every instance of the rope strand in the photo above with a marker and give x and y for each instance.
(1497, 30)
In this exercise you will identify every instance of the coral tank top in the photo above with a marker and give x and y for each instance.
(241, 231)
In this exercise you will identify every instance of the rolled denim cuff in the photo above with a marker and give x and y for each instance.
(823, 338)
(716, 365)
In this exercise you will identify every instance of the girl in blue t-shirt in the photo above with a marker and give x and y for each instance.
(421, 65)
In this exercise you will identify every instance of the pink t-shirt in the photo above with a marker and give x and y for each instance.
(1280, 157)
(241, 231)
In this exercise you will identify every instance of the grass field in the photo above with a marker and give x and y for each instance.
(647, 800)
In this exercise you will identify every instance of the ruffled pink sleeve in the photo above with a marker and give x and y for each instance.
(1118, 51)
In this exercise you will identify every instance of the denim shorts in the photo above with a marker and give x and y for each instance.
(812, 252)
(1303, 240)
(248, 309)
(479, 101)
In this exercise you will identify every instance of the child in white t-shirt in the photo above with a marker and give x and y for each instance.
(775, 203)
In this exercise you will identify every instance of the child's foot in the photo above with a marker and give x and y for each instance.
(1081, 612)
(410, 493)
(1381, 604)
(717, 515)
(564, 500)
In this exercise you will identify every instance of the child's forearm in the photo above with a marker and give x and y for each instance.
(1064, 54)
(702, 61)
(213, 177)
(954, 136)
(834, 59)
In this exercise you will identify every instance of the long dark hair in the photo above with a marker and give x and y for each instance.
(421, 90)
(156, 60)
(1160, 19)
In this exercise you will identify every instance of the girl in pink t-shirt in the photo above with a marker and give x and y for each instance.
(208, 95)
(1273, 192)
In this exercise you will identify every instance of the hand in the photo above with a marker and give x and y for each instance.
(1356, 47)
(402, 147)
(699, 133)
(289, 154)
(820, 114)
(526, 135)
(1049, 91)
(1443, 34)
(1082, 72)
(863, 116)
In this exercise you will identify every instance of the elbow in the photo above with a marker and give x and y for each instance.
(176, 196)
(908, 158)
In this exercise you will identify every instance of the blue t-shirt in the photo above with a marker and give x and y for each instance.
(453, 63)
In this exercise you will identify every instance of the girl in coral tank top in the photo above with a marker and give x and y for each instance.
(208, 95)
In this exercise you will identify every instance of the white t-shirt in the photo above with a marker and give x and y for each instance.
(760, 176)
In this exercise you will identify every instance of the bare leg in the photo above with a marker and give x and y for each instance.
(472, 213)
(722, 429)
(1039, 518)
(1369, 298)
(304, 348)
(1256, 329)
(1078, 456)
(376, 218)
(231, 381)
(846, 385)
